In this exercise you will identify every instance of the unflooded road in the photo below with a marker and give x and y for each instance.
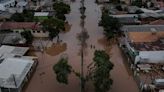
(44, 80)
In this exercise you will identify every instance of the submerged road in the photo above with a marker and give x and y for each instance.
(44, 80)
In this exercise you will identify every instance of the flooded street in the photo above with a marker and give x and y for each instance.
(44, 79)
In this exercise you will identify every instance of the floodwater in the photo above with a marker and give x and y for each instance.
(44, 80)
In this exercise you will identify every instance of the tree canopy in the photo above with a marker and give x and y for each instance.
(61, 9)
(27, 35)
(110, 22)
(137, 3)
(111, 25)
(62, 69)
(54, 26)
(99, 71)
(26, 16)
(101, 75)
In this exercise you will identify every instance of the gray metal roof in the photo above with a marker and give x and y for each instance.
(11, 38)
(13, 71)
(142, 28)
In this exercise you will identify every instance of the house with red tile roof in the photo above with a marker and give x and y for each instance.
(18, 27)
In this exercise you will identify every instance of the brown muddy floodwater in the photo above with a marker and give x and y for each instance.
(44, 80)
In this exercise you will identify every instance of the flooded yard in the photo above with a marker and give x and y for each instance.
(44, 79)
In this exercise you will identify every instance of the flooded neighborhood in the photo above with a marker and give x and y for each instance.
(81, 46)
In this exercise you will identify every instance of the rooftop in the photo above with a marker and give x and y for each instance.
(10, 51)
(13, 71)
(157, 22)
(148, 46)
(150, 72)
(11, 38)
(18, 25)
(143, 28)
(41, 14)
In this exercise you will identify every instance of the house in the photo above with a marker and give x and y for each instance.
(18, 27)
(144, 43)
(127, 19)
(43, 15)
(13, 6)
(15, 68)
(12, 39)
(143, 46)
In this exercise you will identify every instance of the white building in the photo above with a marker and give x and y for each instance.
(144, 43)
(13, 6)
(15, 69)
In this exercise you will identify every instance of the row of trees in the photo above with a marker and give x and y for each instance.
(98, 71)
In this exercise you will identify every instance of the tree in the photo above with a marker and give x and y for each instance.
(18, 17)
(26, 16)
(111, 25)
(109, 33)
(98, 71)
(54, 26)
(137, 3)
(62, 69)
(114, 1)
(110, 22)
(28, 36)
(61, 9)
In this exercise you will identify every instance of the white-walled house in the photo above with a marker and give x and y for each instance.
(15, 68)
(13, 6)
(144, 43)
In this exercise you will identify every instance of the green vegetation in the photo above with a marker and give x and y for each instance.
(98, 71)
(137, 3)
(61, 9)
(28, 36)
(26, 16)
(111, 25)
(54, 26)
(62, 69)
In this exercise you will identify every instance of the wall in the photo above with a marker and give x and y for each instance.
(34, 33)
(150, 56)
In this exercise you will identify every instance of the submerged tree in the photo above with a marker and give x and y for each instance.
(61, 9)
(62, 70)
(54, 26)
(137, 3)
(26, 16)
(111, 25)
(28, 36)
(98, 71)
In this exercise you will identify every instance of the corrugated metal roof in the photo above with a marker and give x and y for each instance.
(142, 28)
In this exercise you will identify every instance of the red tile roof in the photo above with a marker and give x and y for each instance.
(157, 22)
(18, 25)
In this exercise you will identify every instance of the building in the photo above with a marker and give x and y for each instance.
(12, 39)
(143, 41)
(18, 27)
(43, 15)
(144, 48)
(128, 19)
(15, 68)
(13, 6)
